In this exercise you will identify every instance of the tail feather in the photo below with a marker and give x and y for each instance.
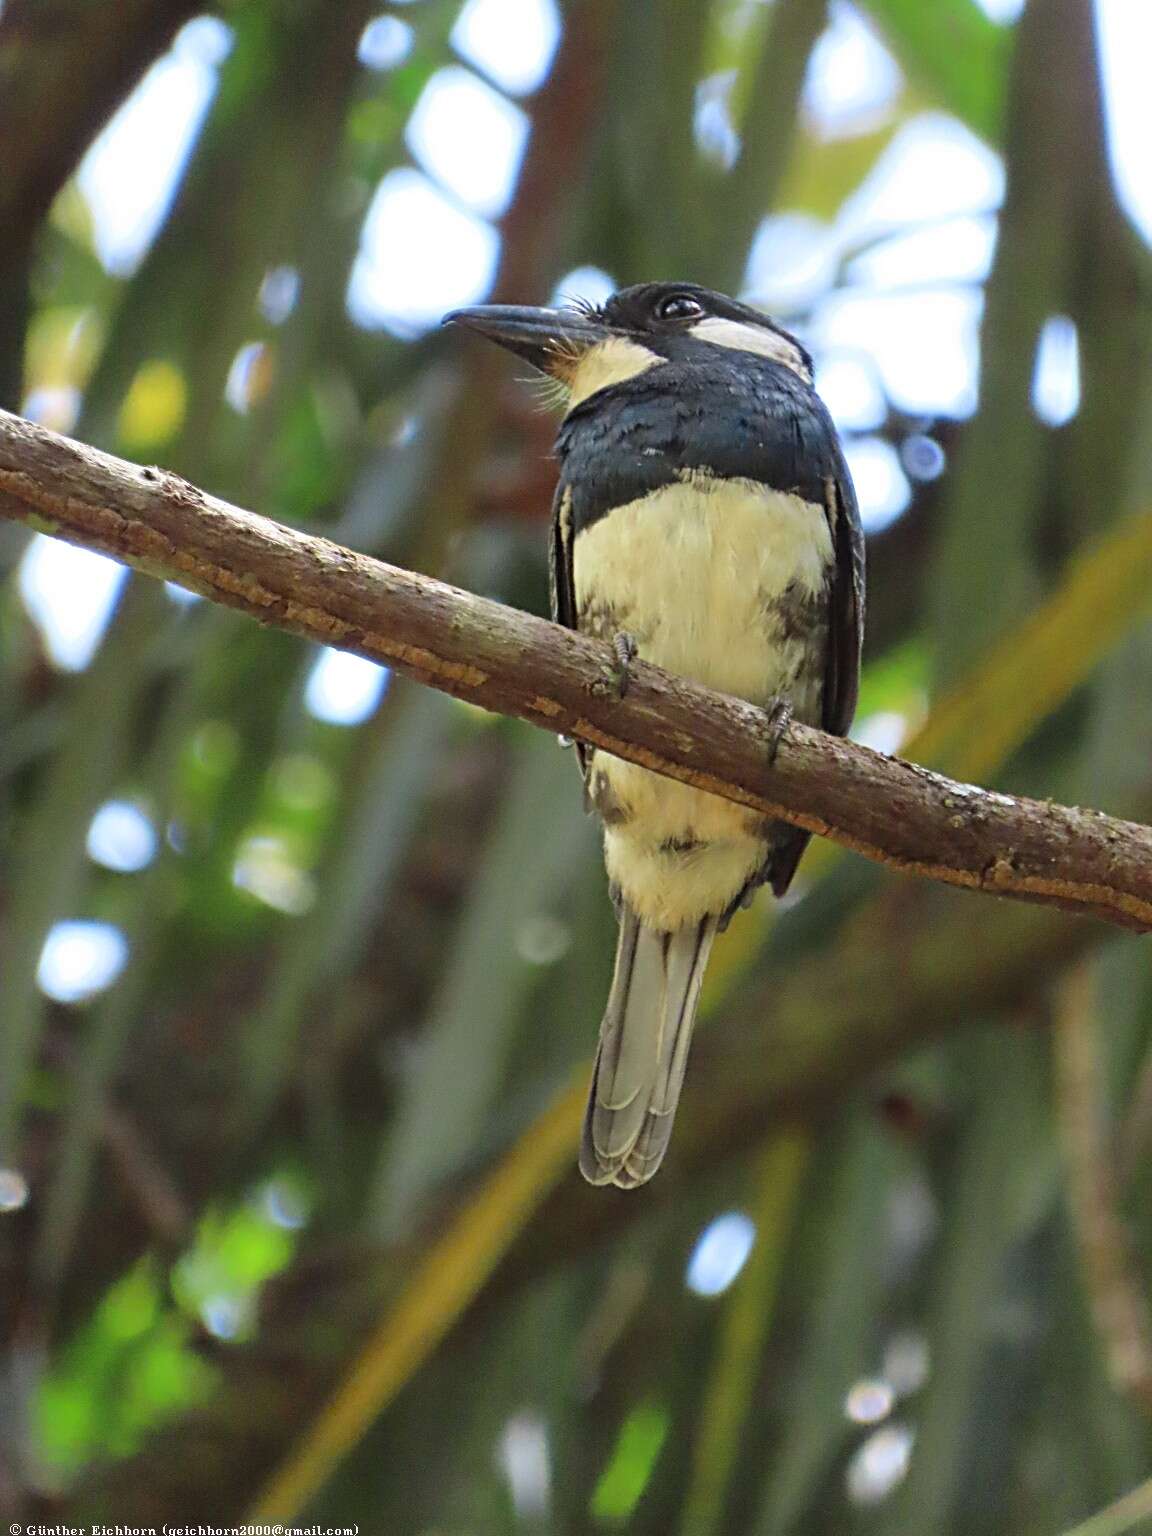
(643, 1051)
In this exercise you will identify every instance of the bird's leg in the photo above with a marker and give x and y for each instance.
(626, 650)
(779, 719)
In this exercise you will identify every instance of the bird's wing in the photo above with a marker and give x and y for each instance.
(801, 452)
(792, 446)
(562, 580)
(846, 606)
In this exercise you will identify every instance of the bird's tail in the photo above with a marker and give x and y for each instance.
(643, 1049)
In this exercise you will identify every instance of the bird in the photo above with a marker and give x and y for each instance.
(705, 521)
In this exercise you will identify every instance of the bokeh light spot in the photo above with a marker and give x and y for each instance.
(543, 939)
(591, 285)
(130, 173)
(922, 457)
(385, 42)
(70, 594)
(720, 1253)
(848, 385)
(524, 1457)
(343, 689)
(868, 1401)
(853, 80)
(278, 294)
(881, 485)
(81, 959)
(1056, 380)
(121, 837)
(880, 1464)
(1124, 28)
(884, 731)
(469, 138)
(14, 1190)
(512, 41)
(906, 1362)
(266, 870)
(56, 407)
(420, 255)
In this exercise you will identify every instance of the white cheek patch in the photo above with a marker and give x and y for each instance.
(752, 338)
(610, 362)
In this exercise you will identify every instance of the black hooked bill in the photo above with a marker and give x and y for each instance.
(552, 340)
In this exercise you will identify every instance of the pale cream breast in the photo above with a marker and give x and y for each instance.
(691, 571)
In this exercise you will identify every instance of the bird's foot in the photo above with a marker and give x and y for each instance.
(779, 719)
(626, 651)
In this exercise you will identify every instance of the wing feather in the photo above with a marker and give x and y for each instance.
(562, 580)
(846, 601)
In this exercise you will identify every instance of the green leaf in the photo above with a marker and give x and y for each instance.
(127, 1370)
(626, 1476)
(953, 52)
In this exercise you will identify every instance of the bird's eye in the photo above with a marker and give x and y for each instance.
(679, 306)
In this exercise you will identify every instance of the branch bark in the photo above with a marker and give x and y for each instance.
(890, 811)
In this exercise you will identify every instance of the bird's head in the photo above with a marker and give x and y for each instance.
(587, 348)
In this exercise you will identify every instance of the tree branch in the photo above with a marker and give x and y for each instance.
(893, 812)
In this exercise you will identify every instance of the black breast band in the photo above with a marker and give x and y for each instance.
(739, 420)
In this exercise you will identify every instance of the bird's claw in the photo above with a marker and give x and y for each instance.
(626, 650)
(779, 719)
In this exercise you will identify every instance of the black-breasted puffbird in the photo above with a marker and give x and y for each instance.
(705, 520)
